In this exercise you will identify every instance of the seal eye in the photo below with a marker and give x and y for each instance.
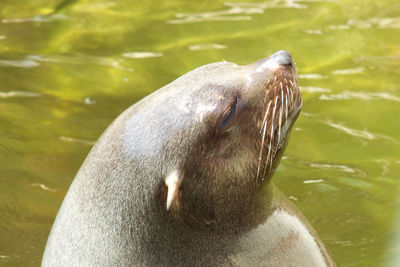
(228, 115)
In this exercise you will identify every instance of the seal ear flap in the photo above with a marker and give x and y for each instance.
(172, 183)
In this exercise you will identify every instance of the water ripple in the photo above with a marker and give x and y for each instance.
(357, 133)
(88, 101)
(141, 54)
(76, 140)
(5, 258)
(384, 165)
(344, 243)
(18, 94)
(315, 181)
(363, 134)
(355, 182)
(80, 60)
(382, 23)
(311, 76)
(237, 11)
(338, 167)
(8, 152)
(44, 187)
(23, 63)
(313, 89)
(207, 47)
(313, 32)
(46, 18)
(340, 27)
(348, 71)
(346, 95)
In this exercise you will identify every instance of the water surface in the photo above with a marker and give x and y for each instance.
(68, 68)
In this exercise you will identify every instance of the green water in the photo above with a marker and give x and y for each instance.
(68, 68)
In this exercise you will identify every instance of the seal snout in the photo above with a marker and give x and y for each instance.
(275, 61)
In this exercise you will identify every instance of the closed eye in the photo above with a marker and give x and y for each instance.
(228, 115)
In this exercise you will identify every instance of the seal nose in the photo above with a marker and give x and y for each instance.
(274, 61)
(282, 57)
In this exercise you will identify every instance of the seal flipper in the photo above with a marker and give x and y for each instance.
(172, 182)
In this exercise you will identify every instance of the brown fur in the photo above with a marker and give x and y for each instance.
(208, 126)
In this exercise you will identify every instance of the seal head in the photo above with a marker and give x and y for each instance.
(238, 132)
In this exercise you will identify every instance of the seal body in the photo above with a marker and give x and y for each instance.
(183, 178)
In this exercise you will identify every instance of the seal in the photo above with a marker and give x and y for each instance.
(183, 178)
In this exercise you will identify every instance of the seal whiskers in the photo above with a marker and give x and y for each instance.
(271, 137)
(264, 129)
(280, 116)
(287, 92)
(282, 96)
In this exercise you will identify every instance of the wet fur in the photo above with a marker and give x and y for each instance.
(114, 212)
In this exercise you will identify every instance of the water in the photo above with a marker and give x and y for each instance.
(68, 68)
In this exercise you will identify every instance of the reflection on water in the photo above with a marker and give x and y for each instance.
(348, 71)
(313, 181)
(343, 168)
(141, 54)
(346, 95)
(236, 11)
(207, 47)
(35, 19)
(382, 23)
(44, 187)
(18, 94)
(67, 69)
(357, 133)
(24, 63)
(314, 89)
(76, 140)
